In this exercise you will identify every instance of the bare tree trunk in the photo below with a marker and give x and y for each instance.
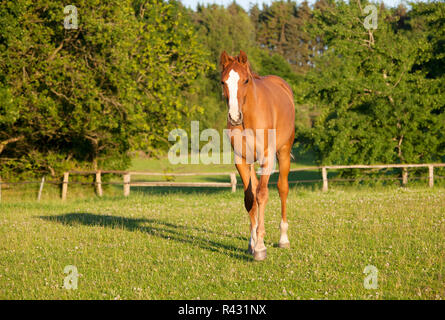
(95, 163)
(399, 149)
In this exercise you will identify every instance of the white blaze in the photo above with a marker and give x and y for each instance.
(232, 84)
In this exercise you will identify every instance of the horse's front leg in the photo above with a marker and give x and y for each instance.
(252, 207)
(250, 183)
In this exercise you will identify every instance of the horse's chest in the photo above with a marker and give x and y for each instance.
(249, 144)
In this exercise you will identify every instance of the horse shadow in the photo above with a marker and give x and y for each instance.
(157, 228)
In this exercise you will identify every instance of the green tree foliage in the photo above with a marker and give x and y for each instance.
(379, 101)
(169, 58)
(224, 28)
(429, 18)
(85, 97)
(281, 28)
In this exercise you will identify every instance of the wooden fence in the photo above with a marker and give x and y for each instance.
(126, 176)
(431, 166)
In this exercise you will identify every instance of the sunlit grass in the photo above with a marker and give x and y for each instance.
(191, 245)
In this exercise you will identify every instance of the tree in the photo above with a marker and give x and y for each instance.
(85, 97)
(68, 101)
(377, 105)
(281, 28)
(169, 58)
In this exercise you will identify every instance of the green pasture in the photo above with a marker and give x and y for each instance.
(191, 244)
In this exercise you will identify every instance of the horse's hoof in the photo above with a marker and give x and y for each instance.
(285, 245)
(250, 250)
(259, 255)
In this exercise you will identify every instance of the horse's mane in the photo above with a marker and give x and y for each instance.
(252, 73)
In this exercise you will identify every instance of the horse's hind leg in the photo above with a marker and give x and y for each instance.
(262, 197)
(283, 189)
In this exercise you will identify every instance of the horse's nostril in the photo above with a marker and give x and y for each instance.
(237, 121)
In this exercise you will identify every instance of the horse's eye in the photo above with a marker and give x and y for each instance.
(246, 82)
(222, 82)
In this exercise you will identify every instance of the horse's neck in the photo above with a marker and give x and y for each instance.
(251, 98)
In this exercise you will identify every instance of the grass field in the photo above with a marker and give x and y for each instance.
(191, 244)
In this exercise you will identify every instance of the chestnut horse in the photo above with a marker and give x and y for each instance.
(259, 104)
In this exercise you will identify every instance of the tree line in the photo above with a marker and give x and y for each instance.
(135, 69)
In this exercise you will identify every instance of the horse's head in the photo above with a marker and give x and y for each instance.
(235, 79)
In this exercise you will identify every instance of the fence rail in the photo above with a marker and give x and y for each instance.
(127, 184)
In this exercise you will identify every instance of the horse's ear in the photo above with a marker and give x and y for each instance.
(224, 59)
(242, 58)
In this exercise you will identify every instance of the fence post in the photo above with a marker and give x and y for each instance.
(431, 176)
(126, 184)
(99, 183)
(233, 181)
(65, 185)
(41, 188)
(324, 174)
(404, 176)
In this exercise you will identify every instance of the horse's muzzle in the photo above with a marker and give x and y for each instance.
(238, 122)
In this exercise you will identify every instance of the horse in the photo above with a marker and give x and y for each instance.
(256, 104)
